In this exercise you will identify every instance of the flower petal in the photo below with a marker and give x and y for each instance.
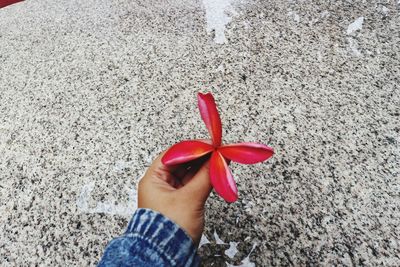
(185, 151)
(246, 153)
(221, 178)
(210, 116)
(4, 3)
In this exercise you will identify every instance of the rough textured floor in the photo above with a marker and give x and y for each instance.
(91, 91)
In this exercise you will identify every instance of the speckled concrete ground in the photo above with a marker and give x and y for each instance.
(92, 90)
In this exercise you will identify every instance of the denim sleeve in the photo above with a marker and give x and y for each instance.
(151, 240)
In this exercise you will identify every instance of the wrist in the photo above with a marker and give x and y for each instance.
(164, 235)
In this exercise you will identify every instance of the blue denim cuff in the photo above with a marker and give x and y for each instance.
(164, 236)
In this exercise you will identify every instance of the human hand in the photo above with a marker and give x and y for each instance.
(178, 192)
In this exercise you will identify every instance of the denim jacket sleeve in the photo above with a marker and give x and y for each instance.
(151, 240)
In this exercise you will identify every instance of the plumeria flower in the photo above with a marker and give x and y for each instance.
(220, 174)
(4, 3)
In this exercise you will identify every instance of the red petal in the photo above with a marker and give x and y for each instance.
(185, 151)
(4, 3)
(247, 153)
(210, 116)
(221, 178)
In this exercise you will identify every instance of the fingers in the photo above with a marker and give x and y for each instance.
(193, 168)
(179, 170)
(157, 166)
(175, 175)
(172, 168)
(199, 186)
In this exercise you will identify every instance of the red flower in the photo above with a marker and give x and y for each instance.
(4, 3)
(221, 176)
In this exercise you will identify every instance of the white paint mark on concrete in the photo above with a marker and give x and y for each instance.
(355, 26)
(217, 17)
(322, 16)
(325, 14)
(121, 165)
(107, 207)
(220, 68)
(294, 16)
(83, 200)
(203, 241)
(246, 261)
(353, 47)
(232, 250)
(217, 239)
(385, 11)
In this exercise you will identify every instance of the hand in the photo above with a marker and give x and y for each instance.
(177, 192)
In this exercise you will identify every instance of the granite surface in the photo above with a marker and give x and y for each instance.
(91, 91)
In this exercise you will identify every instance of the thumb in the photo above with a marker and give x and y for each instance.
(200, 185)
